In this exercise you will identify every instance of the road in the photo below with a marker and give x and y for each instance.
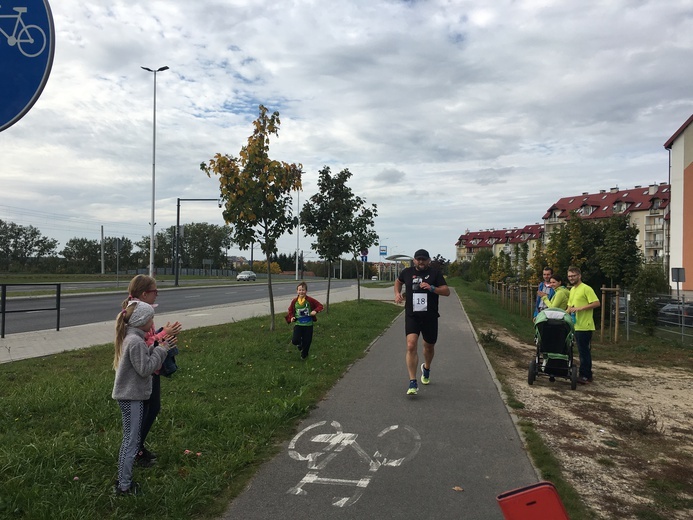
(81, 309)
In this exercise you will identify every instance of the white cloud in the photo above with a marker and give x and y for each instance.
(450, 114)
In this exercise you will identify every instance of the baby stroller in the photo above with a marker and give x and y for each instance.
(553, 335)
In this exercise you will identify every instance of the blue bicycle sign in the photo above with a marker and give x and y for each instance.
(29, 39)
(27, 46)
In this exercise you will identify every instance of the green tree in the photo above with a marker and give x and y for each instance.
(200, 241)
(497, 273)
(480, 268)
(83, 256)
(516, 261)
(574, 244)
(261, 265)
(605, 250)
(651, 280)
(115, 258)
(458, 268)
(340, 221)
(23, 245)
(441, 263)
(538, 262)
(619, 256)
(523, 266)
(256, 191)
(141, 256)
(286, 262)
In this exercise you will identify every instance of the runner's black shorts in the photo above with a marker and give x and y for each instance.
(424, 324)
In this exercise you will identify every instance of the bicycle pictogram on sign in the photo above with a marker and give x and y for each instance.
(29, 39)
(395, 446)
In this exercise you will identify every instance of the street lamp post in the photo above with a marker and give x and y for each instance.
(176, 261)
(298, 226)
(151, 238)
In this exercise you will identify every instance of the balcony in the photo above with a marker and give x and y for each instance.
(654, 244)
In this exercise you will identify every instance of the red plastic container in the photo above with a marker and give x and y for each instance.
(538, 501)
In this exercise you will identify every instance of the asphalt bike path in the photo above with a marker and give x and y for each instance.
(369, 451)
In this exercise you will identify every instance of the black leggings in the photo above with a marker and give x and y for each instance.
(302, 338)
(152, 407)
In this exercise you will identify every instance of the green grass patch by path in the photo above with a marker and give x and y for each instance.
(667, 483)
(239, 392)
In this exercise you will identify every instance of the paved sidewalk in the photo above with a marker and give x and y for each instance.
(24, 345)
(370, 451)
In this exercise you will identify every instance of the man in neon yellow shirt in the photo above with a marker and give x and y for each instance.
(581, 302)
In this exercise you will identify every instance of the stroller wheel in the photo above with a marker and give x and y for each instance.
(532, 374)
(573, 377)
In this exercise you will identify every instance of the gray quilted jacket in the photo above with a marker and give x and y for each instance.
(133, 380)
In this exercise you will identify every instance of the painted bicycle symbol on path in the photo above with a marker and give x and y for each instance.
(395, 446)
(29, 39)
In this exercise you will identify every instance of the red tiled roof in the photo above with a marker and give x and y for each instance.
(487, 238)
(602, 204)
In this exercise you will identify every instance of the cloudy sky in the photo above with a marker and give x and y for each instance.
(451, 114)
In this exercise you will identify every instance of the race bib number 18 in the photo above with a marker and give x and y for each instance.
(420, 302)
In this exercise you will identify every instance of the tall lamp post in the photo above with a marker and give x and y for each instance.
(298, 226)
(151, 239)
(176, 260)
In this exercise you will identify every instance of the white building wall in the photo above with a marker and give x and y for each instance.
(681, 159)
(676, 167)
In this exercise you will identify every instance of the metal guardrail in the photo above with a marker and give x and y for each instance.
(3, 303)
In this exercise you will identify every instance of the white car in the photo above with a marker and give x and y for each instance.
(374, 278)
(246, 276)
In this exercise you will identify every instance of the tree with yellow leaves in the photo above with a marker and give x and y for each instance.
(257, 192)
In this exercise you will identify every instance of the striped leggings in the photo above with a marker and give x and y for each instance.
(132, 412)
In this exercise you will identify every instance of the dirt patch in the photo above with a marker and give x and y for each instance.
(625, 441)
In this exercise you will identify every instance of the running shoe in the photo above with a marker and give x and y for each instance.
(413, 388)
(425, 374)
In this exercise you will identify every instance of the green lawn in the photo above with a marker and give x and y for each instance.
(240, 390)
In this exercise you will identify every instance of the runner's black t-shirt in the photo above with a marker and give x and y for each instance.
(420, 301)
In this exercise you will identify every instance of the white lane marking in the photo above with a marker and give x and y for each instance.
(335, 443)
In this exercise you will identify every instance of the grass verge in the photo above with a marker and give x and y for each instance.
(240, 391)
(658, 466)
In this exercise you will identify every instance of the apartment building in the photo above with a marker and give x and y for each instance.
(646, 207)
(497, 240)
(680, 146)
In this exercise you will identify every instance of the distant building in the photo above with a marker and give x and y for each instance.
(497, 240)
(680, 146)
(646, 207)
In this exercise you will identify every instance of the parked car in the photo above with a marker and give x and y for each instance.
(674, 313)
(622, 303)
(246, 276)
(374, 278)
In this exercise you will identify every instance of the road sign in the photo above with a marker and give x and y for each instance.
(364, 258)
(27, 45)
(383, 250)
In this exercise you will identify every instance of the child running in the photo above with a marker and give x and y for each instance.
(134, 363)
(302, 311)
